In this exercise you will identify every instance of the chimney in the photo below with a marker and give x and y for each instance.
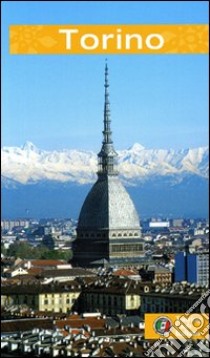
(28, 265)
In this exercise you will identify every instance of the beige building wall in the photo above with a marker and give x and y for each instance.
(132, 302)
(163, 278)
(57, 302)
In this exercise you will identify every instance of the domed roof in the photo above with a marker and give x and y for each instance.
(108, 206)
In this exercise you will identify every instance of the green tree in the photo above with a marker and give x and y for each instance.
(24, 250)
(57, 255)
(3, 250)
(48, 241)
(20, 249)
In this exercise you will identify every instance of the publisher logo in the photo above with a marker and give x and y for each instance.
(162, 325)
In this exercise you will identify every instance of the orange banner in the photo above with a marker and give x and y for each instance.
(108, 39)
(176, 326)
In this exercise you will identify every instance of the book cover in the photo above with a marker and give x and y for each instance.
(105, 178)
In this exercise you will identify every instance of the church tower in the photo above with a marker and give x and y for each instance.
(108, 230)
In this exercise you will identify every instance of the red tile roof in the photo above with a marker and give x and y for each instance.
(25, 325)
(34, 271)
(93, 322)
(38, 263)
(125, 272)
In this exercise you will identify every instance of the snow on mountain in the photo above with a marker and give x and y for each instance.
(30, 164)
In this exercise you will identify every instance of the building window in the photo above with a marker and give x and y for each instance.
(127, 248)
(121, 301)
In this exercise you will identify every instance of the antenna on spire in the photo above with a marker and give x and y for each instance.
(106, 84)
(107, 131)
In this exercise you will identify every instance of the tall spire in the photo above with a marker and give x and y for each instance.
(107, 132)
(107, 153)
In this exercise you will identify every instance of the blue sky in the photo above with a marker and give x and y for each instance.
(56, 101)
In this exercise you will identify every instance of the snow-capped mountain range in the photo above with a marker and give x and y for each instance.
(28, 164)
(55, 183)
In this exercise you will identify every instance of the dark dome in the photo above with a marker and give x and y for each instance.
(108, 206)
